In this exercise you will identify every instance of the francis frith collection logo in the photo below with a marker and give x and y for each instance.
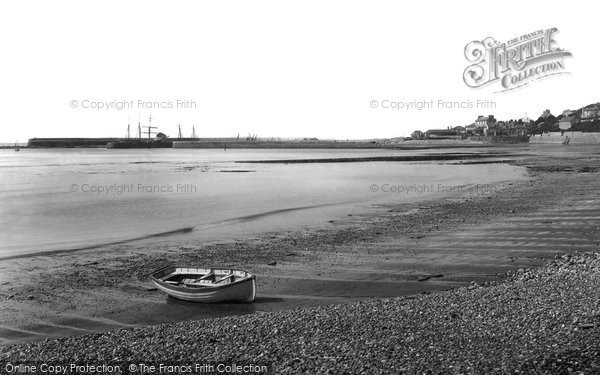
(515, 63)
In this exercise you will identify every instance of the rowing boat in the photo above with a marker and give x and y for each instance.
(207, 285)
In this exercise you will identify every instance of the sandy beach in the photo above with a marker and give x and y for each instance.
(340, 273)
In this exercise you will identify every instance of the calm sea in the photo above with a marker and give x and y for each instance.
(61, 199)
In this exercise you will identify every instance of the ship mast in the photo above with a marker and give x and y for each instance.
(150, 127)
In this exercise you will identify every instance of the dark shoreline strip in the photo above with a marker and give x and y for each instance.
(168, 233)
(62, 251)
(380, 158)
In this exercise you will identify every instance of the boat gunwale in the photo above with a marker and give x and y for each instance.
(200, 288)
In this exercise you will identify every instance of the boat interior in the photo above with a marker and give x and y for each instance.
(195, 278)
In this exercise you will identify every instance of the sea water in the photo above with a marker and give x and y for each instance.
(68, 199)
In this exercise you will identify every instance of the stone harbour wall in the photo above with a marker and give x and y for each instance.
(574, 138)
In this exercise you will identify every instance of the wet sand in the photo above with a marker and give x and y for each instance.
(400, 250)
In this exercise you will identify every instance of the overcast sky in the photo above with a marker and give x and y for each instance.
(272, 68)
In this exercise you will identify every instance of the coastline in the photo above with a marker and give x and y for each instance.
(219, 143)
(406, 250)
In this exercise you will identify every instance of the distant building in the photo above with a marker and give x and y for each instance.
(515, 128)
(526, 120)
(590, 112)
(460, 129)
(484, 121)
(567, 122)
(473, 129)
(546, 114)
(491, 129)
(567, 112)
(498, 128)
(482, 124)
(519, 129)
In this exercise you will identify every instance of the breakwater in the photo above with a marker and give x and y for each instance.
(69, 142)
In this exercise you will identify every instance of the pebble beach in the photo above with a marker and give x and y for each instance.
(536, 321)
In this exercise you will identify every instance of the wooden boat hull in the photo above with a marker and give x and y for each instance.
(241, 290)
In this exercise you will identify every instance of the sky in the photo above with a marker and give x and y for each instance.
(272, 68)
